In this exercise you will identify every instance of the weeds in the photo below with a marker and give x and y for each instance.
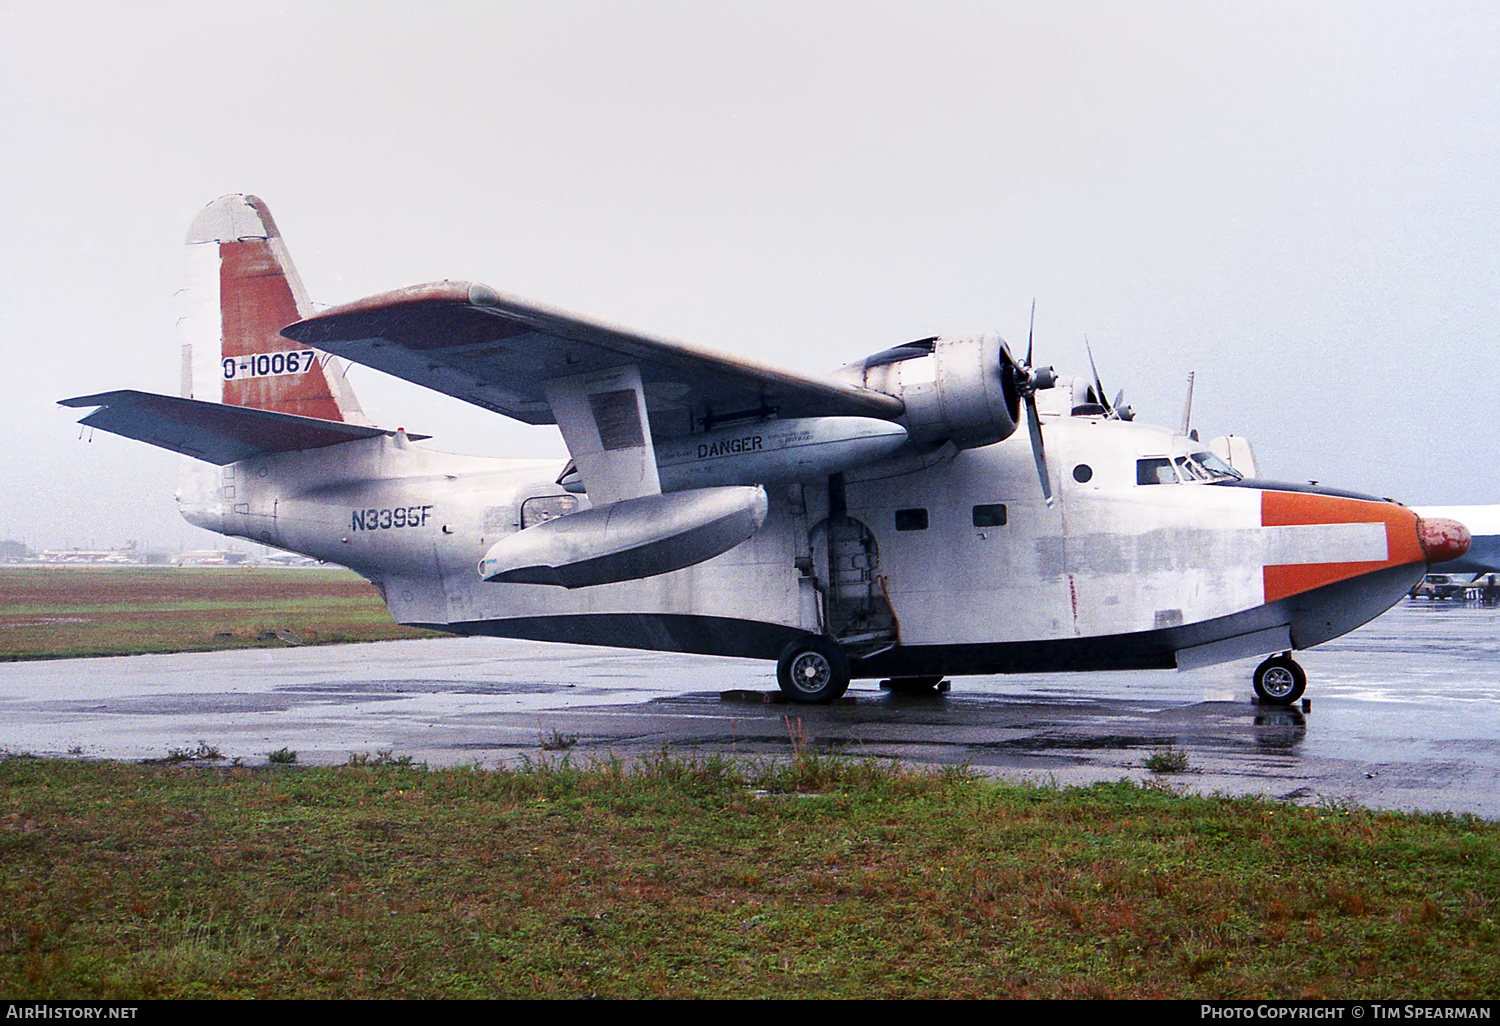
(282, 757)
(1168, 760)
(557, 741)
(205, 752)
(383, 757)
(797, 736)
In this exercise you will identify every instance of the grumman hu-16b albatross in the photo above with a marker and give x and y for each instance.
(893, 519)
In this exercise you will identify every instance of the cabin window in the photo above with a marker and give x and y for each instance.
(911, 520)
(1154, 470)
(542, 508)
(990, 515)
(1083, 473)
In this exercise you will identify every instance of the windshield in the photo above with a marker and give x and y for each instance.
(1217, 469)
(1200, 466)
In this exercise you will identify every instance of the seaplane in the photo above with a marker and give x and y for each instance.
(890, 520)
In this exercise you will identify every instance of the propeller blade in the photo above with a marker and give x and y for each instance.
(1034, 423)
(1098, 385)
(1006, 356)
(1187, 408)
(1031, 332)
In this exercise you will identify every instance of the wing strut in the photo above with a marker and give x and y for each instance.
(603, 419)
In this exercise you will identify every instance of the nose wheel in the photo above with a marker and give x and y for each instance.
(1279, 681)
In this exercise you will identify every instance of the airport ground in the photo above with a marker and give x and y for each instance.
(1403, 710)
(49, 612)
(747, 860)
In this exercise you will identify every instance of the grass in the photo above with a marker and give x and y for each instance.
(86, 611)
(812, 877)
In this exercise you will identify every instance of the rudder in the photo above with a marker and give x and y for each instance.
(241, 291)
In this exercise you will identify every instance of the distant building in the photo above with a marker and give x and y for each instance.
(287, 559)
(209, 557)
(100, 557)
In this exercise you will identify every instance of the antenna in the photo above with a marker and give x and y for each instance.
(1187, 409)
(186, 388)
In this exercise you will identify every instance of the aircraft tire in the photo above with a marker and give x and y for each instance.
(1279, 681)
(812, 671)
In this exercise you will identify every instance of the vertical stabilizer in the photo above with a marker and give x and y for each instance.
(241, 291)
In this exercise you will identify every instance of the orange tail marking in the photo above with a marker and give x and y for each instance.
(256, 302)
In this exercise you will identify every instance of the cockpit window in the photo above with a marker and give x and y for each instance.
(1154, 470)
(1190, 471)
(1200, 466)
(1217, 468)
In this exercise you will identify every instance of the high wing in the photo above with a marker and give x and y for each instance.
(495, 351)
(212, 432)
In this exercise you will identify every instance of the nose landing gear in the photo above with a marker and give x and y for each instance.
(1279, 680)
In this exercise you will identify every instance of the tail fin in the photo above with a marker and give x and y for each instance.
(241, 291)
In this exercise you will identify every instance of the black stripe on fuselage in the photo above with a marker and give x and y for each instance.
(1314, 617)
(1261, 484)
(659, 632)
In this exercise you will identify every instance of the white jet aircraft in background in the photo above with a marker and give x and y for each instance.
(888, 520)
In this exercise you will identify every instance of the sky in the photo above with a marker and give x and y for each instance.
(1298, 202)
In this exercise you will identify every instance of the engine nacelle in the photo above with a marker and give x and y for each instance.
(767, 452)
(960, 389)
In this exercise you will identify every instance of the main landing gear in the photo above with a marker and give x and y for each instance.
(1279, 680)
(812, 671)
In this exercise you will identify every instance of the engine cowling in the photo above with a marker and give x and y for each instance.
(961, 389)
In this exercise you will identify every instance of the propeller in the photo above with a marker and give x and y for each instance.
(1029, 379)
(1112, 410)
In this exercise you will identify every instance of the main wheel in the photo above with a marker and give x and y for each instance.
(1279, 681)
(812, 671)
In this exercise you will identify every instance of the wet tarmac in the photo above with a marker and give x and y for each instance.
(1405, 712)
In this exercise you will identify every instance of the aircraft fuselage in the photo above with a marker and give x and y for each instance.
(953, 567)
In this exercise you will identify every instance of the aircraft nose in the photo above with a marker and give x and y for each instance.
(1442, 539)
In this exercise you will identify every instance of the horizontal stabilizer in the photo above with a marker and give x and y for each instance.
(213, 432)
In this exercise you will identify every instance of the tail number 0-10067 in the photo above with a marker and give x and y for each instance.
(264, 365)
